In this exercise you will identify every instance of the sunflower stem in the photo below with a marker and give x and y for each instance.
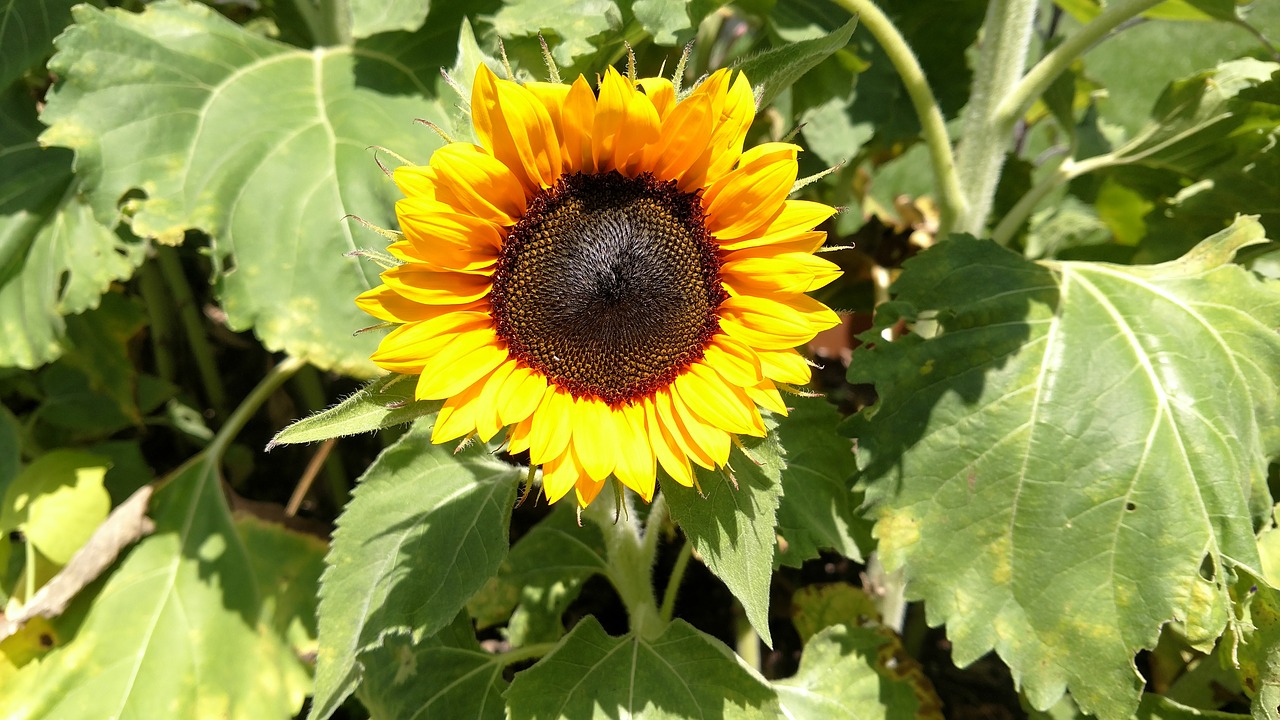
(674, 580)
(951, 200)
(189, 316)
(747, 641)
(630, 563)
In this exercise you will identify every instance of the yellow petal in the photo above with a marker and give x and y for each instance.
(595, 437)
(711, 442)
(625, 122)
(549, 435)
(513, 125)
(388, 305)
(792, 273)
(521, 394)
(559, 475)
(577, 119)
(665, 448)
(682, 141)
(488, 418)
(786, 366)
(748, 197)
(736, 111)
(427, 223)
(718, 403)
(666, 402)
(458, 416)
(766, 395)
(407, 348)
(734, 360)
(771, 325)
(660, 92)
(468, 179)
(460, 364)
(636, 466)
(553, 96)
(518, 436)
(790, 223)
(434, 287)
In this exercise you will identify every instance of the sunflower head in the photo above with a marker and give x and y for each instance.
(607, 276)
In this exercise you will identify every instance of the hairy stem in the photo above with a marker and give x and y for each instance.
(951, 201)
(987, 136)
(631, 561)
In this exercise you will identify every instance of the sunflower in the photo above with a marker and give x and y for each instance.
(607, 276)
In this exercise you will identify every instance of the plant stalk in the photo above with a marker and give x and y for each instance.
(189, 316)
(631, 555)
(1007, 32)
(951, 200)
(245, 410)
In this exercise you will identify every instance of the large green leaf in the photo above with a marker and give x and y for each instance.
(731, 523)
(57, 502)
(818, 510)
(541, 576)
(425, 528)
(370, 17)
(572, 27)
(27, 30)
(1069, 464)
(179, 625)
(259, 144)
(446, 675)
(680, 674)
(55, 259)
(843, 674)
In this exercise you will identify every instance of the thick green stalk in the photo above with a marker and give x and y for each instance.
(631, 553)
(951, 201)
(245, 410)
(987, 137)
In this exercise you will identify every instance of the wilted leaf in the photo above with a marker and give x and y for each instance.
(1055, 468)
(424, 530)
(259, 144)
(682, 673)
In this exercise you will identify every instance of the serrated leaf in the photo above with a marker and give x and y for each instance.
(541, 576)
(843, 673)
(27, 30)
(385, 402)
(818, 509)
(571, 26)
(1074, 429)
(682, 673)
(776, 70)
(175, 626)
(425, 528)
(446, 675)
(259, 144)
(55, 258)
(732, 528)
(370, 17)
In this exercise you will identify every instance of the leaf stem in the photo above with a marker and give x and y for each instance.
(1055, 62)
(1066, 171)
(245, 410)
(1007, 31)
(159, 315)
(674, 580)
(189, 315)
(520, 654)
(746, 640)
(631, 561)
(951, 200)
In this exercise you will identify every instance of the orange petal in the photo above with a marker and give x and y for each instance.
(577, 119)
(587, 489)
(514, 125)
(560, 475)
(468, 179)
(518, 436)
(682, 140)
(553, 96)
(625, 122)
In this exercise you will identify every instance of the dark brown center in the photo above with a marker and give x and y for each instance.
(609, 285)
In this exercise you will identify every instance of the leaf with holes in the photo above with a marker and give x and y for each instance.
(1069, 463)
(261, 145)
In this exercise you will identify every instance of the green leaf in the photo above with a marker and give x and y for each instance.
(815, 607)
(286, 566)
(541, 576)
(10, 448)
(177, 625)
(259, 144)
(446, 675)
(55, 258)
(842, 674)
(385, 402)
(370, 17)
(682, 673)
(27, 30)
(424, 530)
(1072, 429)
(57, 502)
(731, 523)
(776, 70)
(818, 510)
(571, 27)
(1259, 651)
(662, 19)
(1157, 707)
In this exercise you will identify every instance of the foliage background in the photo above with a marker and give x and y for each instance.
(1069, 463)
